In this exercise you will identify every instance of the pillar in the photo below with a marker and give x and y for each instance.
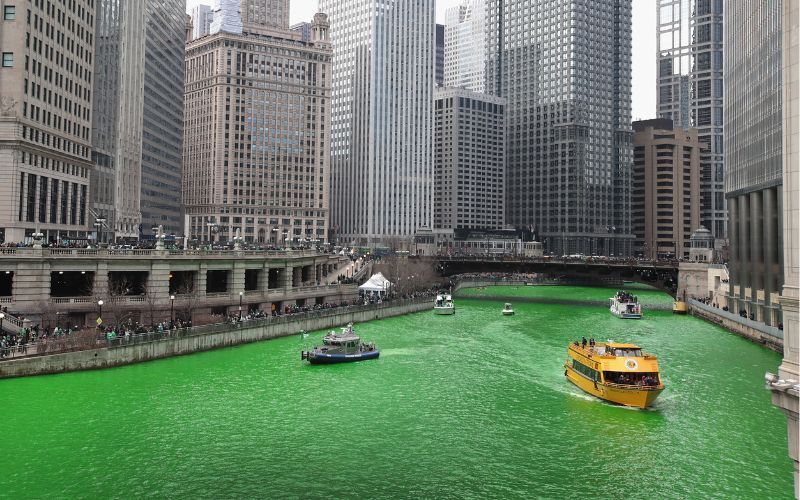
(756, 251)
(744, 248)
(770, 254)
(733, 267)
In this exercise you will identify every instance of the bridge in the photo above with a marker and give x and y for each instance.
(662, 275)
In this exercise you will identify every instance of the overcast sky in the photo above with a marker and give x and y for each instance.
(644, 46)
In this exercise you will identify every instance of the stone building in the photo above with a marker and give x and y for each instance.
(45, 119)
(666, 179)
(257, 132)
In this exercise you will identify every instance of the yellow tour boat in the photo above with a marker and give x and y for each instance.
(615, 372)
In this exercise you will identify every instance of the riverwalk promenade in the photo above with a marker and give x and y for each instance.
(156, 345)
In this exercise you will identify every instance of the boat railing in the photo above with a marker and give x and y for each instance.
(634, 386)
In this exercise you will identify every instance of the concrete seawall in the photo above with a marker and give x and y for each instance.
(218, 336)
(768, 336)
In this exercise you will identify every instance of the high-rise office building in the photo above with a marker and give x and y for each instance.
(690, 93)
(753, 156)
(304, 29)
(117, 119)
(465, 46)
(259, 15)
(46, 119)
(257, 135)
(162, 127)
(382, 107)
(201, 21)
(564, 67)
(666, 178)
(439, 71)
(469, 181)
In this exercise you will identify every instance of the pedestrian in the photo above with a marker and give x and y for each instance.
(583, 342)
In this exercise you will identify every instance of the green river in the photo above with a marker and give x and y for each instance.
(469, 406)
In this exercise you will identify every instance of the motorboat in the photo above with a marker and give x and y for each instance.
(444, 305)
(626, 306)
(508, 310)
(341, 347)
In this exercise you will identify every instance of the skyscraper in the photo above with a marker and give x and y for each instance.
(439, 55)
(201, 21)
(257, 134)
(45, 119)
(753, 156)
(470, 161)
(382, 107)
(263, 14)
(564, 67)
(138, 117)
(118, 115)
(162, 127)
(690, 61)
(666, 178)
(465, 46)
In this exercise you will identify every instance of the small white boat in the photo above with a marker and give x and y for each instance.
(444, 305)
(508, 310)
(626, 306)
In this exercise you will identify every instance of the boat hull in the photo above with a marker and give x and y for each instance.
(444, 311)
(680, 307)
(330, 359)
(634, 397)
(626, 315)
(508, 313)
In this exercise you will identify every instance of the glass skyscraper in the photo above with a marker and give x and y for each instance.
(690, 91)
(564, 67)
(465, 46)
(753, 155)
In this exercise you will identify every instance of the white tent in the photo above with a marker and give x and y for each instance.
(376, 284)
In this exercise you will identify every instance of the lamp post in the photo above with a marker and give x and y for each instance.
(172, 309)
(99, 221)
(275, 236)
(100, 313)
(241, 294)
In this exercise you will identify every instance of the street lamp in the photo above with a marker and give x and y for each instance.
(241, 294)
(100, 314)
(172, 309)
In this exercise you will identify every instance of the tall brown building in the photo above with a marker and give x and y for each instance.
(665, 202)
(257, 134)
(46, 94)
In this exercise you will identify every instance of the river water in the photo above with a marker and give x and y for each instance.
(470, 406)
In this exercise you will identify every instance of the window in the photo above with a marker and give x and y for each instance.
(8, 59)
(9, 13)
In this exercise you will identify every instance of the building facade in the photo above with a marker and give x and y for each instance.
(260, 15)
(118, 114)
(162, 126)
(753, 156)
(666, 178)
(469, 166)
(439, 70)
(465, 46)
(690, 90)
(304, 29)
(201, 21)
(564, 68)
(45, 119)
(257, 136)
(382, 107)
(785, 395)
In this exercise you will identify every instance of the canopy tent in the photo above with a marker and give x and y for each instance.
(376, 284)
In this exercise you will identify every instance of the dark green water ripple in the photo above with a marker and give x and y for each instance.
(471, 406)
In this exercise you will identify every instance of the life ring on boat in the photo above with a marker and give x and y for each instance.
(631, 364)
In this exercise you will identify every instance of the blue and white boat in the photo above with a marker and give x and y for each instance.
(344, 347)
